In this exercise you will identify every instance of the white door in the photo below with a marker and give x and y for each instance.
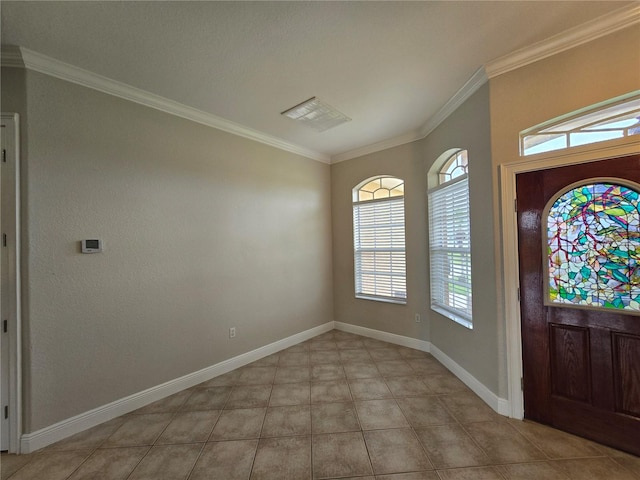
(4, 346)
(9, 288)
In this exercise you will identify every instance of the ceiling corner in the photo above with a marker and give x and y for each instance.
(478, 79)
(376, 147)
(471, 86)
(11, 56)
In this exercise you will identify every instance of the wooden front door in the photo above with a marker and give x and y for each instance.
(581, 363)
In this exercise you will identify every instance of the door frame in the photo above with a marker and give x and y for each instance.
(11, 227)
(509, 242)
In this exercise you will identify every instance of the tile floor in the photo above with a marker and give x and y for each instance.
(337, 406)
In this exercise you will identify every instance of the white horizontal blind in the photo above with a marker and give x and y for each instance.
(379, 250)
(450, 250)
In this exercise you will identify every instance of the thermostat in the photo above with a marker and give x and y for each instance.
(91, 246)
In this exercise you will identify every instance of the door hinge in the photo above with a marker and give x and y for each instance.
(4, 326)
(6, 411)
(522, 384)
(4, 156)
(4, 239)
(518, 293)
(515, 205)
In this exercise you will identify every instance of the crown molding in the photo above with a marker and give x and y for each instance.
(13, 56)
(574, 37)
(10, 56)
(469, 88)
(41, 63)
(376, 147)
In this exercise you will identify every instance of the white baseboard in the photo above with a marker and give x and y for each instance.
(46, 436)
(384, 336)
(31, 442)
(500, 405)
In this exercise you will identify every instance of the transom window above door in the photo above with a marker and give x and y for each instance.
(616, 118)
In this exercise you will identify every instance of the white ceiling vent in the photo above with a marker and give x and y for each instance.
(316, 114)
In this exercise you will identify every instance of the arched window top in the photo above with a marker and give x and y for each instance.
(593, 246)
(378, 188)
(455, 166)
(617, 118)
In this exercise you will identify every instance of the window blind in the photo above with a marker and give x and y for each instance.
(450, 250)
(379, 249)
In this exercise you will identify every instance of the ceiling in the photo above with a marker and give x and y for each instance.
(389, 66)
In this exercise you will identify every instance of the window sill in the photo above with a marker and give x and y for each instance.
(452, 316)
(397, 301)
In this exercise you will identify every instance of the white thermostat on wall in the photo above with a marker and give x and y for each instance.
(91, 246)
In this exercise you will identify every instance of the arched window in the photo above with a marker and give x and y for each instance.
(456, 166)
(593, 246)
(618, 118)
(378, 240)
(450, 241)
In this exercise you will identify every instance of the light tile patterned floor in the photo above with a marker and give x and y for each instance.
(337, 406)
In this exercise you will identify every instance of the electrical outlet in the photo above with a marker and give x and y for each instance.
(232, 332)
(418, 318)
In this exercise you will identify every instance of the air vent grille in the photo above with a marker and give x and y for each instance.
(316, 114)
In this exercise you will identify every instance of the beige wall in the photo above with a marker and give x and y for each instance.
(202, 230)
(475, 350)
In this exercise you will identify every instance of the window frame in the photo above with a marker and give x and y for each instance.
(458, 159)
(582, 123)
(438, 250)
(357, 213)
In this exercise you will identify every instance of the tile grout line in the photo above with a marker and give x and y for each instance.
(100, 444)
(193, 467)
(255, 453)
(174, 413)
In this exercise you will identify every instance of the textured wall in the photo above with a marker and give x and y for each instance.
(202, 231)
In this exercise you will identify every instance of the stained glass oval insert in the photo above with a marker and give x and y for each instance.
(593, 247)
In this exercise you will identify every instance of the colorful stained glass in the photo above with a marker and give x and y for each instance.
(593, 240)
